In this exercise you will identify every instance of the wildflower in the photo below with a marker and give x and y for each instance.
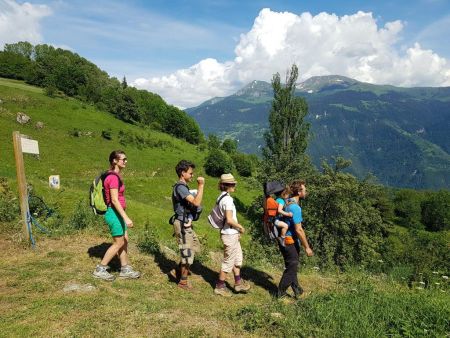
(419, 288)
(435, 272)
(423, 283)
(380, 261)
(316, 268)
(437, 283)
(445, 277)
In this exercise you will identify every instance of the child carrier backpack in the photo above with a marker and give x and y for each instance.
(97, 197)
(216, 217)
(188, 208)
(271, 208)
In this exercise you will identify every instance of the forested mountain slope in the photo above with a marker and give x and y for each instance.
(398, 134)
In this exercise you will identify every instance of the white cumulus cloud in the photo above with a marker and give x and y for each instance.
(324, 44)
(21, 22)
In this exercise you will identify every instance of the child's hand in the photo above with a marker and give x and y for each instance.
(290, 214)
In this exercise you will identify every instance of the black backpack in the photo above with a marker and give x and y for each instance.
(271, 208)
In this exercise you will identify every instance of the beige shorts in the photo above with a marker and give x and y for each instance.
(232, 252)
(188, 243)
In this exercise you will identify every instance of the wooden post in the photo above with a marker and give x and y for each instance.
(21, 182)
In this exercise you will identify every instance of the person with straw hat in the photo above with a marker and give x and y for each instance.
(230, 235)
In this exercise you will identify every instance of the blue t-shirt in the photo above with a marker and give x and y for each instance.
(295, 219)
(281, 201)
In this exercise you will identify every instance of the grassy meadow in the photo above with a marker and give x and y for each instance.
(37, 296)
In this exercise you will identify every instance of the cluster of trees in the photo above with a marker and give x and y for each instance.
(343, 215)
(223, 157)
(422, 210)
(351, 221)
(58, 70)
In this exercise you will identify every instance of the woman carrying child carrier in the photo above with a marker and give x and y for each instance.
(117, 220)
(230, 235)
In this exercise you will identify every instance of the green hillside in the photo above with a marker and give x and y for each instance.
(78, 159)
(49, 291)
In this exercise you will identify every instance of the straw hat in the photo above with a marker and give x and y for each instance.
(227, 179)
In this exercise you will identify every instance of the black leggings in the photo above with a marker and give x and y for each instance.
(290, 255)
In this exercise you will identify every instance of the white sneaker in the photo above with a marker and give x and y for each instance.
(128, 272)
(100, 272)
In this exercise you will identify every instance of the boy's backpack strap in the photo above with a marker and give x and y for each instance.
(183, 202)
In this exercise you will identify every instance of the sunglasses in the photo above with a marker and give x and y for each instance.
(123, 159)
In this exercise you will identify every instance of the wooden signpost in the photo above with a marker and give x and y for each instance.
(23, 145)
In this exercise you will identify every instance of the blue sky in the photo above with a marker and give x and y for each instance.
(220, 45)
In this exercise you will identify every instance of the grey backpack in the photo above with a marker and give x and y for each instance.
(216, 217)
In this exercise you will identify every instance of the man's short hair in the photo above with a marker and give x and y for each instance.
(295, 187)
(183, 165)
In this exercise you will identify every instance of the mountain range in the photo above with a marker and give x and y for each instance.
(400, 135)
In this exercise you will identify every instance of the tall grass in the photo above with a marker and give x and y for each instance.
(360, 309)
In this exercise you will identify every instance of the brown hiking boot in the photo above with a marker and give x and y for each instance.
(185, 286)
(242, 286)
(222, 291)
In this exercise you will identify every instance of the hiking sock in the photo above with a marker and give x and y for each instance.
(220, 284)
(237, 279)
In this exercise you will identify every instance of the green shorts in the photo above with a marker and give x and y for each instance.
(116, 224)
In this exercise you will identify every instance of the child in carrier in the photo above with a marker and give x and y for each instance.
(279, 222)
(190, 217)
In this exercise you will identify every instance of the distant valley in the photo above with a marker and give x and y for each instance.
(401, 135)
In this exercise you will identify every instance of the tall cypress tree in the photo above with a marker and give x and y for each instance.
(124, 82)
(287, 138)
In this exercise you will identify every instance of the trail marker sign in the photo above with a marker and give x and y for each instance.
(29, 146)
(23, 145)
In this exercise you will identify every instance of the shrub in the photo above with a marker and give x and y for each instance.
(75, 132)
(82, 217)
(9, 205)
(229, 146)
(419, 252)
(436, 211)
(50, 90)
(156, 126)
(217, 163)
(107, 134)
(407, 208)
(142, 141)
(148, 243)
(243, 164)
(343, 224)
